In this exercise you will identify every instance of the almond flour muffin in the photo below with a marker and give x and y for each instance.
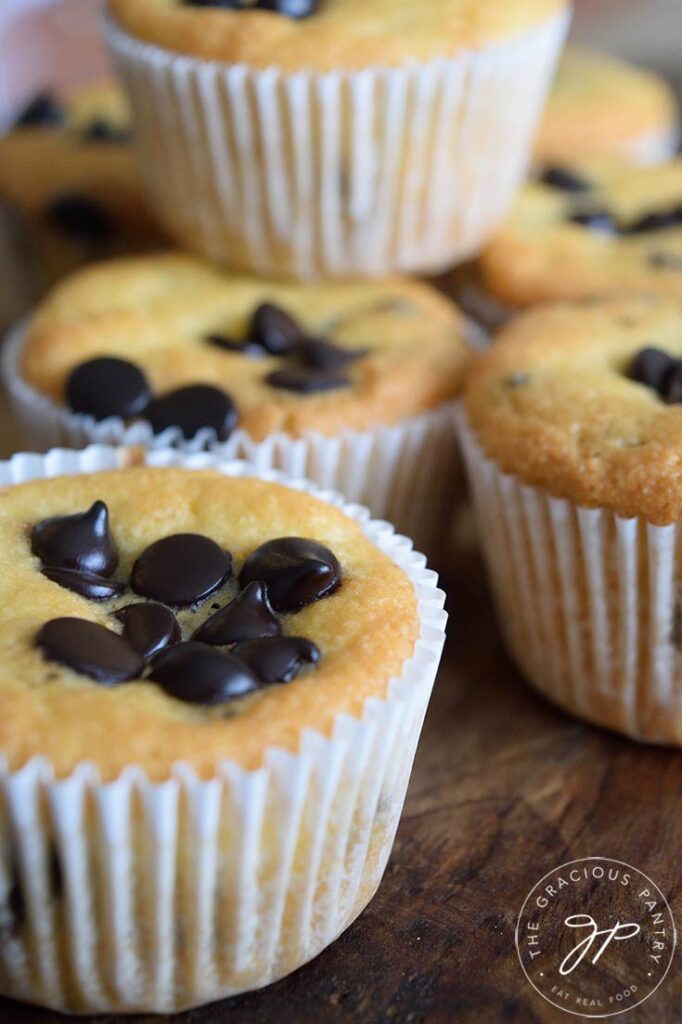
(335, 139)
(600, 106)
(197, 652)
(69, 190)
(351, 385)
(572, 431)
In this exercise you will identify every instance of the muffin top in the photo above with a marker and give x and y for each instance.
(284, 357)
(583, 400)
(604, 107)
(68, 160)
(327, 35)
(589, 229)
(115, 644)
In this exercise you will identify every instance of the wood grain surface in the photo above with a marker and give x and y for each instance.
(504, 789)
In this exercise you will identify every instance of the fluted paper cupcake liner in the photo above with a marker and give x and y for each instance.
(134, 895)
(589, 601)
(408, 473)
(342, 173)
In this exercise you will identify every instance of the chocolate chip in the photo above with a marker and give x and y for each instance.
(651, 366)
(108, 386)
(659, 220)
(193, 408)
(199, 674)
(320, 354)
(181, 570)
(86, 584)
(297, 572)
(90, 650)
(248, 617)
(307, 381)
(82, 542)
(276, 331)
(595, 220)
(81, 218)
(290, 8)
(149, 627)
(44, 111)
(671, 389)
(277, 659)
(101, 130)
(566, 181)
(243, 348)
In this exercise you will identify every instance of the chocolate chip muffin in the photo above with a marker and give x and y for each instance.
(245, 657)
(600, 106)
(589, 229)
(572, 429)
(69, 187)
(322, 139)
(352, 383)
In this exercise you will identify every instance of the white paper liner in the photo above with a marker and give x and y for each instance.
(408, 473)
(315, 175)
(589, 602)
(140, 896)
(655, 147)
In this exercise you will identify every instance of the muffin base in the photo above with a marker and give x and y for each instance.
(588, 601)
(134, 896)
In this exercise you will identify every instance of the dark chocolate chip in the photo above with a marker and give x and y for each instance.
(297, 572)
(101, 130)
(595, 220)
(248, 617)
(108, 386)
(671, 389)
(81, 218)
(149, 627)
(91, 650)
(86, 584)
(651, 366)
(243, 348)
(44, 111)
(566, 181)
(181, 570)
(277, 332)
(659, 220)
(277, 659)
(320, 354)
(193, 408)
(82, 542)
(200, 674)
(307, 381)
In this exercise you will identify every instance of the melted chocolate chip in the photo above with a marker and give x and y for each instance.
(193, 408)
(651, 366)
(108, 386)
(44, 111)
(307, 381)
(86, 584)
(149, 627)
(101, 130)
(595, 220)
(566, 181)
(91, 650)
(320, 354)
(82, 542)
(199, 674)
(277, 659)
(276, 331)
(243, 348)
(658, 220)
(248, 617)
(181, 570)
(80, 218)
(297, 572)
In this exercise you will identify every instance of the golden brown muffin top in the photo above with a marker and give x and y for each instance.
(159, 313)
(600, 106)
(553, 401)
(542, 253)
(340, 35)
(365, 630)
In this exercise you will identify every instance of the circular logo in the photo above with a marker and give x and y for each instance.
(595, 937)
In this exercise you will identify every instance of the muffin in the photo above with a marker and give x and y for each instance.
(596, 228)
(572, 432)
(213, 687)
(600, 106)
(69, 191)
(349, 384)
(342, 138)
